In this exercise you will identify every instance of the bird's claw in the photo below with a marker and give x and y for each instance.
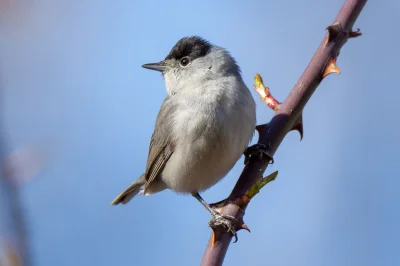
(259, 150)
(227, 221)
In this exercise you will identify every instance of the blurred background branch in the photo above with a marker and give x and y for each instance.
(13, 235)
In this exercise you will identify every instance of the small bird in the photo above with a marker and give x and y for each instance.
(203, 127)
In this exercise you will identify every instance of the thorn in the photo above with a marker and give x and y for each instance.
(354, 34)
(265, 93)
(333, 31)
(298, 125)
(261, 130)
(245, 227)
(331, 67)
(213, 241)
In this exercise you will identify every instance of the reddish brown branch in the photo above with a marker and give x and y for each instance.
(284, 120)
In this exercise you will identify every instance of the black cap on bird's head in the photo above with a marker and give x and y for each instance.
(188, 47)
(193, 46)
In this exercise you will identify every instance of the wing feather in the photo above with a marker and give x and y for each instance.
(161, 144)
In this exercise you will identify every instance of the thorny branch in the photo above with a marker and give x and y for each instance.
(286, 118)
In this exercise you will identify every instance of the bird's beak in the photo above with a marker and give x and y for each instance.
(156, 66)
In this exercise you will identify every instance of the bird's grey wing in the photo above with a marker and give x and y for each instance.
(161, 144)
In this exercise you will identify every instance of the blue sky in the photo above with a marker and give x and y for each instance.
(73, 82)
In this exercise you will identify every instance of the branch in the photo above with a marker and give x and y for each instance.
(13, 233)
(286, 118)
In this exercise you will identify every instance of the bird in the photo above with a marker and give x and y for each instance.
(204, 125)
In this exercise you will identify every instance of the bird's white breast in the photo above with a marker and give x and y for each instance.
(211, 131)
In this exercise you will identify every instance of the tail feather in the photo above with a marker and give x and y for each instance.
(130, 192)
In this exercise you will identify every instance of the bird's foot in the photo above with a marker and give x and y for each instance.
(258, 150)
(227, 221)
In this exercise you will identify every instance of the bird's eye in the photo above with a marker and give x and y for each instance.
(184, 61)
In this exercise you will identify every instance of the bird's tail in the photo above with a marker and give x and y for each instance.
(130, 192)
